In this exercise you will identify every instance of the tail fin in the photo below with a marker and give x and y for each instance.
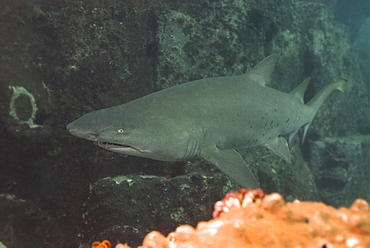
(321, 97)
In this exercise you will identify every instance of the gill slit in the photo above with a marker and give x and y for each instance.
(194, 143)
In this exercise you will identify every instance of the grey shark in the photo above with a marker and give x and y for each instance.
(209, 119)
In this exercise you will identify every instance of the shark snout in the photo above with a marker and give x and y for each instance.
(93, 136)
(88, 136)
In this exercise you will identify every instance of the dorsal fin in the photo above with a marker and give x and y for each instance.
(298, 92)
(263, 70)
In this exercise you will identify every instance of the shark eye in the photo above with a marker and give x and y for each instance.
(121, 130)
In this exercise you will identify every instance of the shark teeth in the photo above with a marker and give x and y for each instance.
(108, 145)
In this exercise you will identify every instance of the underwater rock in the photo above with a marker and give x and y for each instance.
(339, 164)
(22, 221)
(362, 46)
(130, 206)
(248, 218)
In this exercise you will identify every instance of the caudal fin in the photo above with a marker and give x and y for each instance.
(323, 94)
(321, 97)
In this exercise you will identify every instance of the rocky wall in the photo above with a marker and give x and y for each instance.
(61, 59)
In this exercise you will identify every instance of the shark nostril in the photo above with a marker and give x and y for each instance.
(94, 136)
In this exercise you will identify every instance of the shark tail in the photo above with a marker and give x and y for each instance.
(321, 97)
(323, 94)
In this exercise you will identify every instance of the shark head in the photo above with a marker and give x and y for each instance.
(123, 129)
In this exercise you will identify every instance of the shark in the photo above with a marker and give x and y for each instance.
(210, 119)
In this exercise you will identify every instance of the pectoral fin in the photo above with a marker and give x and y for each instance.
(281, 148)
(233, 165)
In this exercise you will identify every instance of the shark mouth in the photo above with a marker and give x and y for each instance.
(117, 147)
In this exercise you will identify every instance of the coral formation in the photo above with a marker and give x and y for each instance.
(103, 244)
(17, 92)
(249, 218)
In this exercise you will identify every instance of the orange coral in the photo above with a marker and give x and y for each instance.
(103, 244)
(248, 218)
